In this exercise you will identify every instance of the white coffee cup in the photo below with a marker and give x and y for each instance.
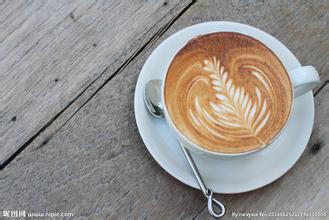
(303, 79)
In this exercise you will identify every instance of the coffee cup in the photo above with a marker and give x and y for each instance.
(227, 93)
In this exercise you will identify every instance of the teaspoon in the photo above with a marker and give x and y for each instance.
(153, 102)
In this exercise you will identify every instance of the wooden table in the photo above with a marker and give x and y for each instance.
(68, 137)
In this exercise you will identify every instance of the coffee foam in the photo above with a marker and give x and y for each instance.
(228, 92)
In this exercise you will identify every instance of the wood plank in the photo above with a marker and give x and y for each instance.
(51, 51)
(97, 166)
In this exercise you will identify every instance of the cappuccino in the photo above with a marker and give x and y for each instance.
(227, 92)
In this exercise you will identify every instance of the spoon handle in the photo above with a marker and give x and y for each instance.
(206, 191)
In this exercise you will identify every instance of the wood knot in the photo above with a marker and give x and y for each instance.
(72, 16)
(45, 142)
(13, 118)
(316, 147)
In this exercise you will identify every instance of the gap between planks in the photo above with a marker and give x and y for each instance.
(148, 44)
(321, 87)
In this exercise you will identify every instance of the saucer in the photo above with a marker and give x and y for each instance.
(223, 174)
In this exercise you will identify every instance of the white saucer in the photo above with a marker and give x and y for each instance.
(223, 175)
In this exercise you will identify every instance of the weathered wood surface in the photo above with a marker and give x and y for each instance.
(97, 166)
(52, 51)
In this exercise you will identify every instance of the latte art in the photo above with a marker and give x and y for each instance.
(233, 108)
(227, 92)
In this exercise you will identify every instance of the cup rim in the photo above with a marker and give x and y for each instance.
(189, 141)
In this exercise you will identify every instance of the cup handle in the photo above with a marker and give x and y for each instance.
(304, 79)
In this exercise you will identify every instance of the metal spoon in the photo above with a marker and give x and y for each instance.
(153, 102)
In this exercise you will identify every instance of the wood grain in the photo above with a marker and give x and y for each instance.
(51, 51)
(96, 165)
